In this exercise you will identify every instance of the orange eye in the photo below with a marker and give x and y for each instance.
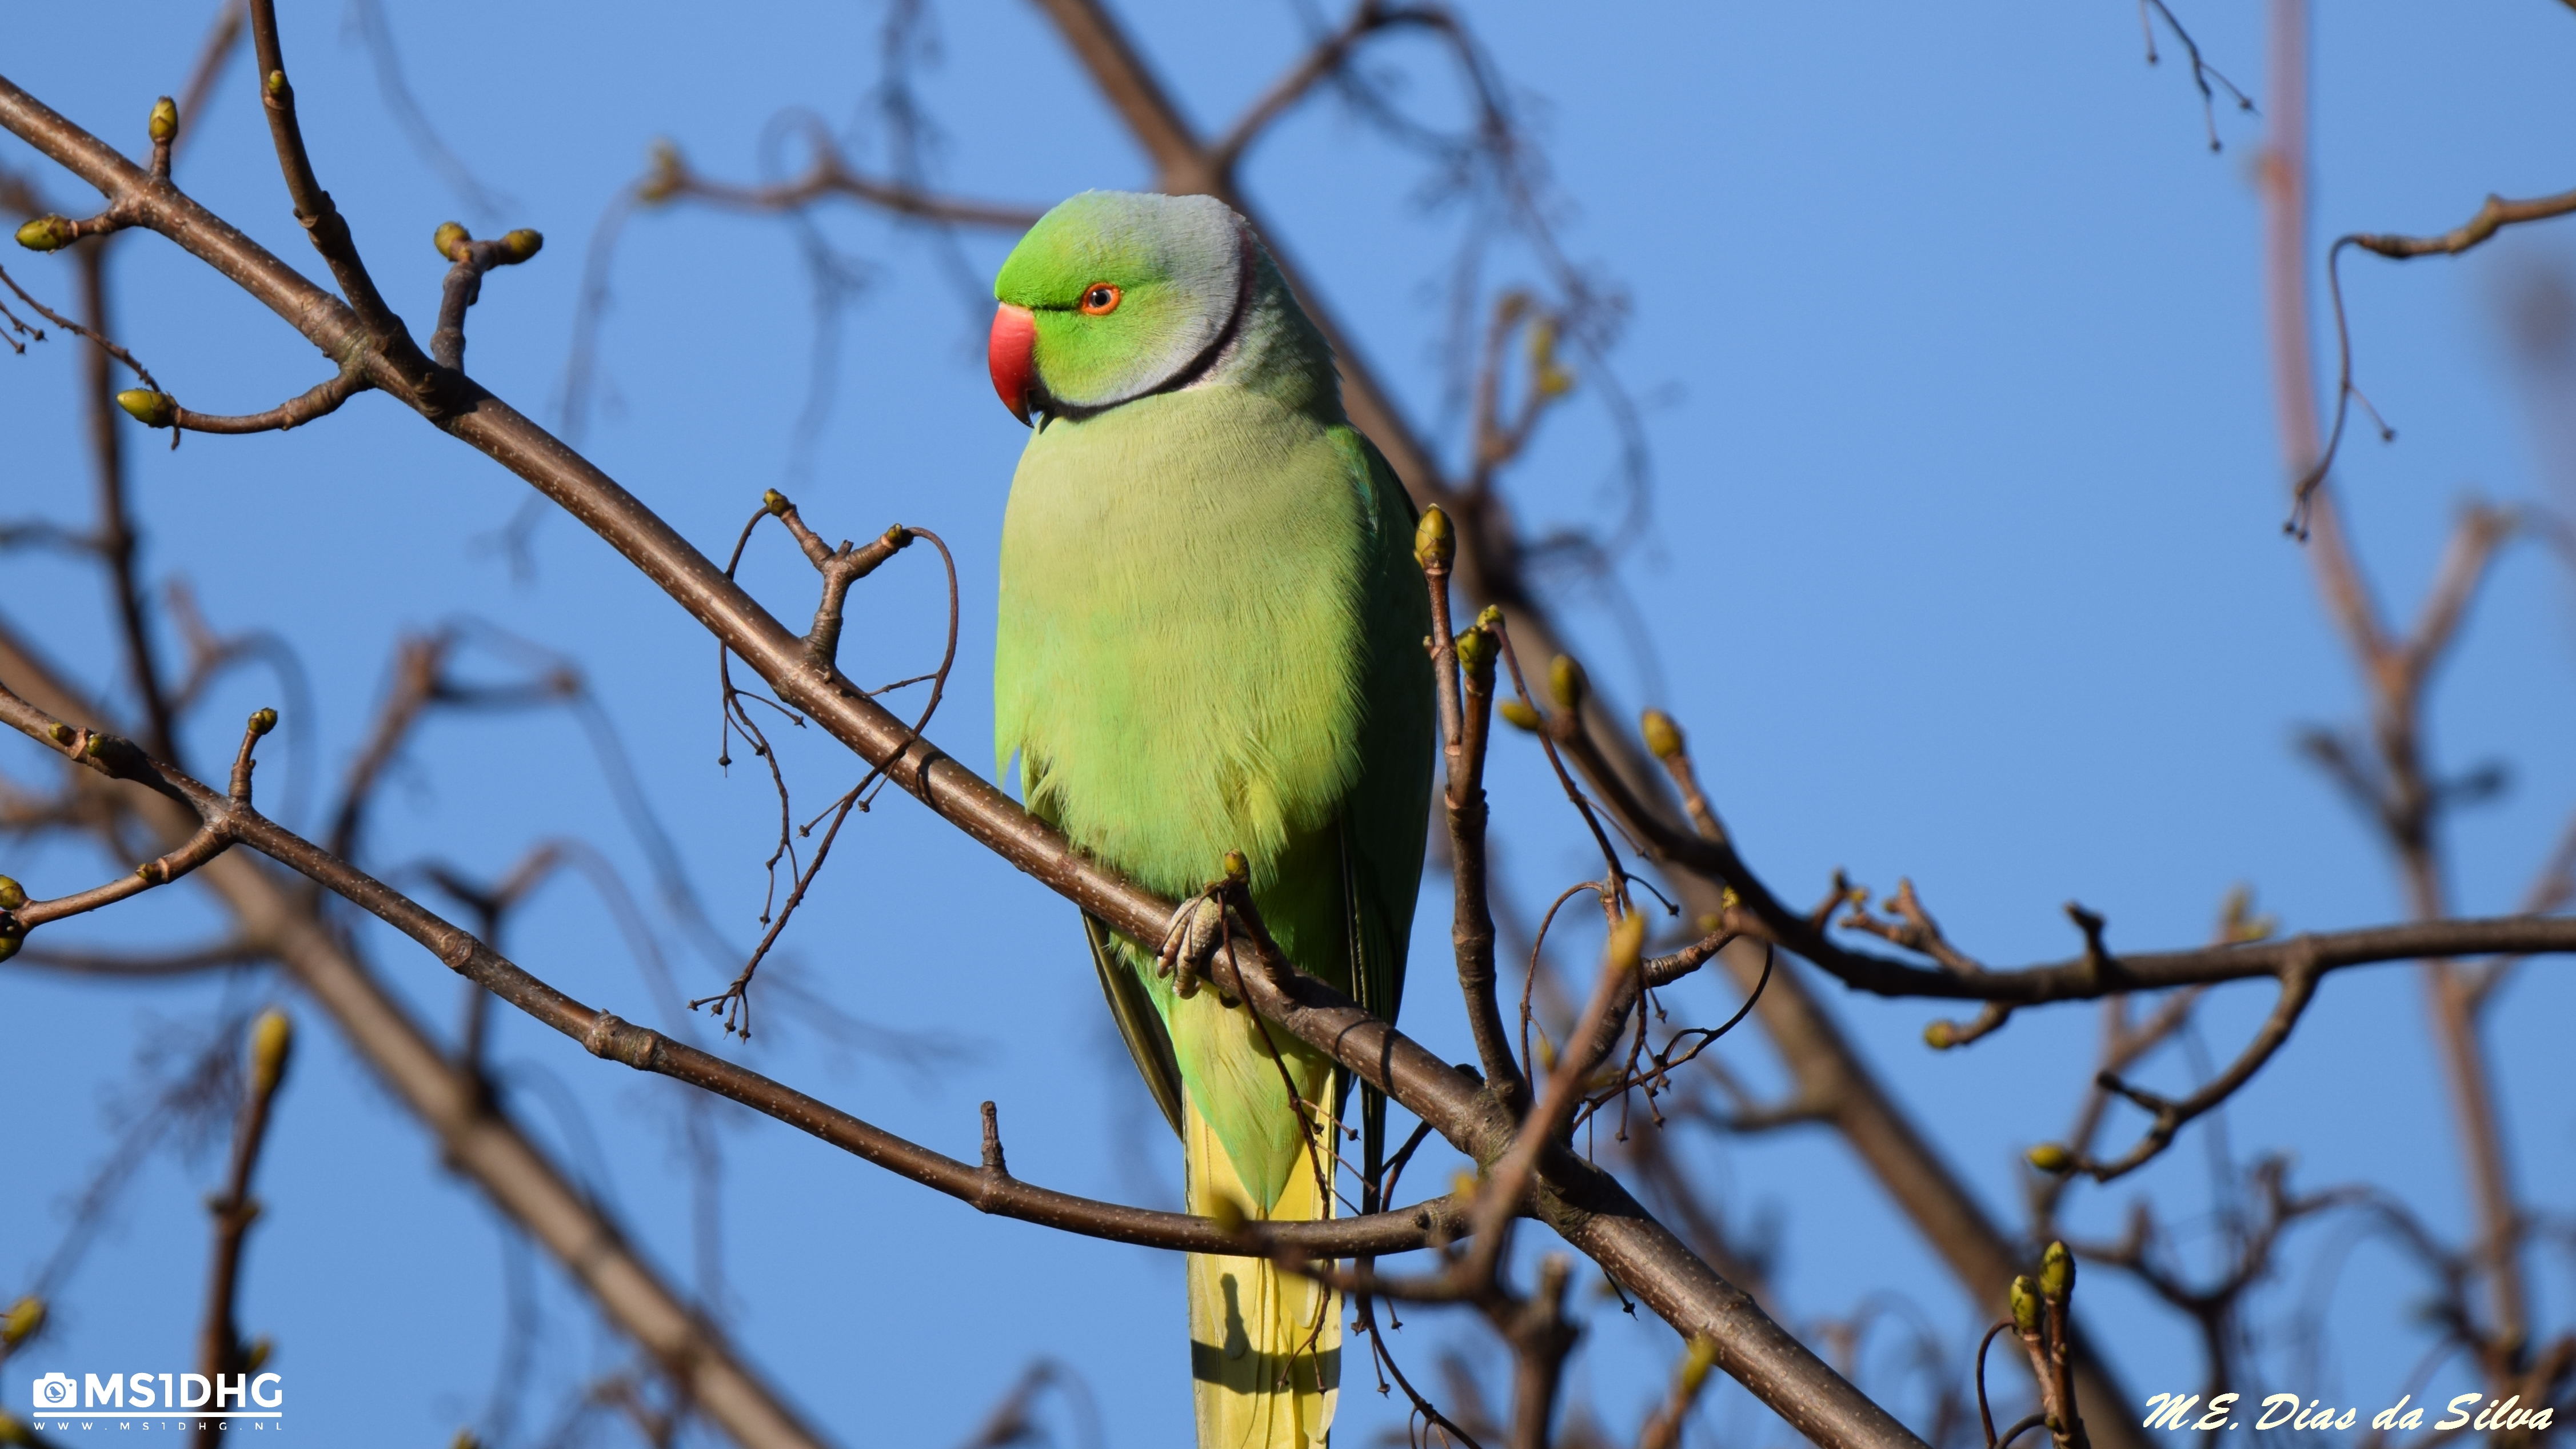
(1100, 299)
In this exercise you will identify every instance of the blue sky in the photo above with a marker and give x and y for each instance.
(1964, 565)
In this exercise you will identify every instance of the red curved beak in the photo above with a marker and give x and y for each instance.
(1012, 357)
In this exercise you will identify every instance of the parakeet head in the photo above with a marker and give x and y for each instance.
(1114, 295)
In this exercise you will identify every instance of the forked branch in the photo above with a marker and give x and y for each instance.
(606, 1035)
(2493, 216)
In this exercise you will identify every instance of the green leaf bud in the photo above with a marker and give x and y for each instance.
(776, 502)
(664, 173)
(1696, 1363)
(48, 234)
(1565, 683)
(1491, 617)
(2051, 1157)
(2056, 1273)
(450, 239)
(1542, 341)
(2025, 1305)
(1520, 715)
(1940, 1036)
(11, 938)
(2237, 921)
(62, 734)
(1627, 941)
(151, 409)
(165, 119)
(276, 84)
(272, 1039)
(22, 1320)
(12, 894)
(1663, 737)
(1435, 543)
(1475, 652)
(262, 720)
(523, 243)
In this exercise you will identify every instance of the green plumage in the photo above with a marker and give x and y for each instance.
(1210, 640)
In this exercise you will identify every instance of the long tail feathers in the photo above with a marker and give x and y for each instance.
(1265, 1346)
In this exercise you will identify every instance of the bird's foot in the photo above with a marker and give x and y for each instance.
(1200, 929)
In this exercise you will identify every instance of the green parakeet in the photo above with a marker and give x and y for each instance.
(1211, 639)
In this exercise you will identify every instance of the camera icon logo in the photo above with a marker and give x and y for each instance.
(56, 1391)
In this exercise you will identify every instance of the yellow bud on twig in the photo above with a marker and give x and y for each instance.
(1475, 651)
(23, 1319)
(1542, 341)
(1627, 941)
(450, 239)
(1697, 1362)
(151, 409)
(1237, 869)
(2051, 1157)
(164, 124)
(47, 234)
(262, 720)
(2025, 1305)
(12, 894)
(1565, 683)
(1519, 714)
(523, 243)
(663, 159)
(1435, 543)
(276, 83)
(2056, 1273)
(1663, 737)
(272, 1038)
(1940, 1036)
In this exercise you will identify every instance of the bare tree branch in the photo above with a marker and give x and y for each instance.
(2493, 216)
(220, 1349)
(608, 1036)
(671, 178)
(2394, 671)
(474, 1136)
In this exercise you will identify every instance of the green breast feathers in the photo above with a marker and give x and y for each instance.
(1182, 649)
